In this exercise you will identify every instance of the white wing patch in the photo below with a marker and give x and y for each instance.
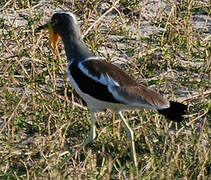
(104, 78)
(93, 58)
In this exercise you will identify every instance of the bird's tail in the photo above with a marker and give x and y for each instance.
(175, 112)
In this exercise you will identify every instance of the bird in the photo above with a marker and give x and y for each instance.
(103, 85)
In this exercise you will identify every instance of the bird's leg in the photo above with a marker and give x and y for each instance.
(131, 138)
(92, 133)
(114, 118)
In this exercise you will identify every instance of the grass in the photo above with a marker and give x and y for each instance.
(42, 118)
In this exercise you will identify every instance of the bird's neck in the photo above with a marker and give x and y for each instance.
(75, 48)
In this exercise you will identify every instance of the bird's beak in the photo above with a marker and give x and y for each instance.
(53, 37)
(45, 26)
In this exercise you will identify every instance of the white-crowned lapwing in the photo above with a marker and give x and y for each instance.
(103, 85)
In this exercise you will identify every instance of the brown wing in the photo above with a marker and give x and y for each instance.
(123, 87)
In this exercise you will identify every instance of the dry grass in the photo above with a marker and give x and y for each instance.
(163, 44)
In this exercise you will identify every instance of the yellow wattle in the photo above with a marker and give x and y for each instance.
(54, 38)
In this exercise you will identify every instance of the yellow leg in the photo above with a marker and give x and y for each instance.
(114, 129)
(92, 133)
(131, 138)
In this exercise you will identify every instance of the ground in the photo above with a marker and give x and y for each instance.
(163, 44)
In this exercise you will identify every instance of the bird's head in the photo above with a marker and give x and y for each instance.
(61, 25)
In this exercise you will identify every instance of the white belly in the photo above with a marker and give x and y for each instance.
(96, 105)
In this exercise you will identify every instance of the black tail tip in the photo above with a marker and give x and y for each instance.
(175, 112)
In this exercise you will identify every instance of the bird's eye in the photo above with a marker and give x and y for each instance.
(54, 22)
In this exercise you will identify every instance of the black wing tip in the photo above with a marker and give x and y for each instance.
(175, 112)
